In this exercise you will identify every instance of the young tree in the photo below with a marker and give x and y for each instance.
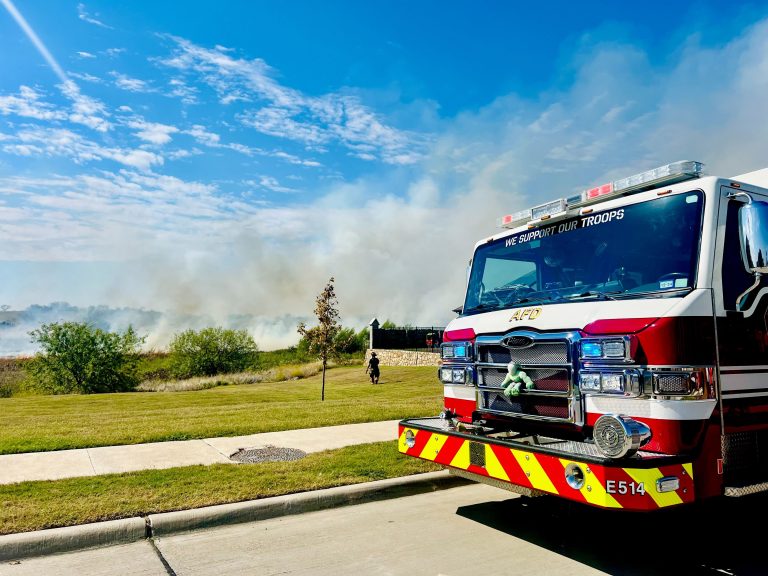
(211, 351)
(322, 339)
(78, 357)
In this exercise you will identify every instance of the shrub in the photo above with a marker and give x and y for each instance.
(211, 351)
(78, 357)
(347, 342)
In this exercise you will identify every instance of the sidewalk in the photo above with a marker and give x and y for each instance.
(157, 455)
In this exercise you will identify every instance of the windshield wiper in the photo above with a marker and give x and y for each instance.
(481, 306)
(528, 300)
(597, 294)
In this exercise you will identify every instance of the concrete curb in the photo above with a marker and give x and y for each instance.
(127, 530)
(253, 510)
(56, 540)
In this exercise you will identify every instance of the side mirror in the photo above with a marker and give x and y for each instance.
(753, 233)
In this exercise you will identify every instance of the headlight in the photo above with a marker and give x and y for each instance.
(456, 351)
(614, 349)
(590, 381)
(591, 349)
(451, 375)
(605, 349)
(606, 382)
(613, 383)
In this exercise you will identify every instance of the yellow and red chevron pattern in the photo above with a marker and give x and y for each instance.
(604, 486)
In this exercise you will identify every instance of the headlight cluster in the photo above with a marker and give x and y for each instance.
(625, 382)
(451, 375)
(605, 349)
(456, 351)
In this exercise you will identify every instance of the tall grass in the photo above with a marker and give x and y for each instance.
(278, 374)
(13, 377)
(156, 376)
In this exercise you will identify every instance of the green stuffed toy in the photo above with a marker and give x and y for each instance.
(514, 380)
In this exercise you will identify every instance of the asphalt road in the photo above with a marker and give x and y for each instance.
(467, 530)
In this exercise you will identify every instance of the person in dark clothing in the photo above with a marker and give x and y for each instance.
(373, 368)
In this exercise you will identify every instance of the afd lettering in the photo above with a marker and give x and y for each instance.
(523, 313)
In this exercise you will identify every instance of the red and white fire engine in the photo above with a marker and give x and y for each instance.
(638, 313)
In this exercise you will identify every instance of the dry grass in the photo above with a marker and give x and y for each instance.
(278, 374)
(12, 376)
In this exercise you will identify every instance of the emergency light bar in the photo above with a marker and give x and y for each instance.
(667, 174)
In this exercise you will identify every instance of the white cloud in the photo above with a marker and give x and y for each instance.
(85, 54)
(152, 132)
(213, 140)
(179, 154)
(63, 142)
(293, 159)
(23, 149)
(203, 136)
(270, 183)
(85, 17)
(288, 113)
(87, 111)
(181, 90)
(114, 52)
(86, 77)
(131, 84)
(28, 104)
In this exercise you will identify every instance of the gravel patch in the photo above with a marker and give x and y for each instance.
(267, 454)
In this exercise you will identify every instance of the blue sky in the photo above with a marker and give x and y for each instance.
(228, 158)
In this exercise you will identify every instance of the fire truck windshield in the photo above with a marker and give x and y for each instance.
(627, 252)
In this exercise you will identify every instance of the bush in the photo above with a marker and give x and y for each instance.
(78, 357)
(211, 351)
(347, 342)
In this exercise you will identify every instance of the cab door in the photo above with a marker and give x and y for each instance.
(742, 333)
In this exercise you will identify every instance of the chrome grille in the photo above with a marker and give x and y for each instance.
(549, 379)
(546, 361)
(540, 353)
(548, 407)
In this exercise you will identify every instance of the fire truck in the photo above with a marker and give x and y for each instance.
(612, 348)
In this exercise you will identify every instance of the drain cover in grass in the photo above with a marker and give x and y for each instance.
(267, 454)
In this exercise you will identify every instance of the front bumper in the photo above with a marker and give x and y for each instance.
(537, 465)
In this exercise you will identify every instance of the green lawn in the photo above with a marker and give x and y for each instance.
(36, 505)
(38, 423)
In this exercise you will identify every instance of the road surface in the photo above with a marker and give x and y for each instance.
(469, 530)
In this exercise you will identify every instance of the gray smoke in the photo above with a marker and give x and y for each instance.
(398, 243)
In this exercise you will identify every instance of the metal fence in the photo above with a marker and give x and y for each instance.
(419, 338)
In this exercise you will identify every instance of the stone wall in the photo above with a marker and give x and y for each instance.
(404, 358)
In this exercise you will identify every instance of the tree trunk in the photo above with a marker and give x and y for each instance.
(322, 390)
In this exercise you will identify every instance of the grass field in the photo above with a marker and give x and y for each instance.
(156, 366)
(39, 423)
(35, 505)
